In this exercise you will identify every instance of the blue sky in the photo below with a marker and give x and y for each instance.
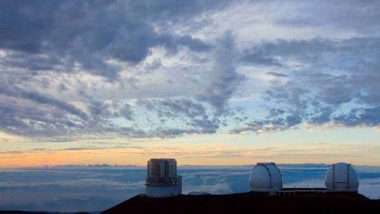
(90, 75)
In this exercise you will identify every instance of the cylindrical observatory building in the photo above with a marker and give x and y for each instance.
(162, 179)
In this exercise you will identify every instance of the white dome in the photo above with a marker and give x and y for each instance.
(342, 176)
(265, 177)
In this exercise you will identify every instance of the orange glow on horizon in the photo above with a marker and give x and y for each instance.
(190, 155)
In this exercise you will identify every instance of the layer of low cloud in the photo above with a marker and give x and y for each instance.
(73, 189)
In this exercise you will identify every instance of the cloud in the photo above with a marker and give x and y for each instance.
(277, 74)
(360, 116)
(55, 36)
(98, 188)
(168, 68)
(224, 78)
(52, 51)
(88, 189)
(332, 82)
(192, 114)
(345, 15)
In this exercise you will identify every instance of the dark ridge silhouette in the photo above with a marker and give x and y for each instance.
(36, 212)
(251, 202)
(21, 212)
(292, 202)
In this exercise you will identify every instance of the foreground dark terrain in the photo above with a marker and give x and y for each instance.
(250, 203)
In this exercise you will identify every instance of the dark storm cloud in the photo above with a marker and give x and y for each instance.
(58, 34)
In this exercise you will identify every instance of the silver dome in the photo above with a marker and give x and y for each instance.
(342, 176)
(265, 177)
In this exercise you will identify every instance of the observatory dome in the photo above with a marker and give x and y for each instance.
(265, 177)
(342, 176)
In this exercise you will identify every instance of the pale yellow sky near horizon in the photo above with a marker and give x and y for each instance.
(359, 146)
(191, 67)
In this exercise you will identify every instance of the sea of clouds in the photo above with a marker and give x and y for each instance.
(70, 189)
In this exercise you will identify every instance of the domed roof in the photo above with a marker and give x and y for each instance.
(342, 176)
(265, 177)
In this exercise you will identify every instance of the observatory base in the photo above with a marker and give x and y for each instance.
(168, 191)
(252, 202)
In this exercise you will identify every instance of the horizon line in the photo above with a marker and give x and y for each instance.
(182, 165)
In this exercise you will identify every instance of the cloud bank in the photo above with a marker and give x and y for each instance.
(73, 189)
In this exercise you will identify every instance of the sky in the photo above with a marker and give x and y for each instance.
(206, 82)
